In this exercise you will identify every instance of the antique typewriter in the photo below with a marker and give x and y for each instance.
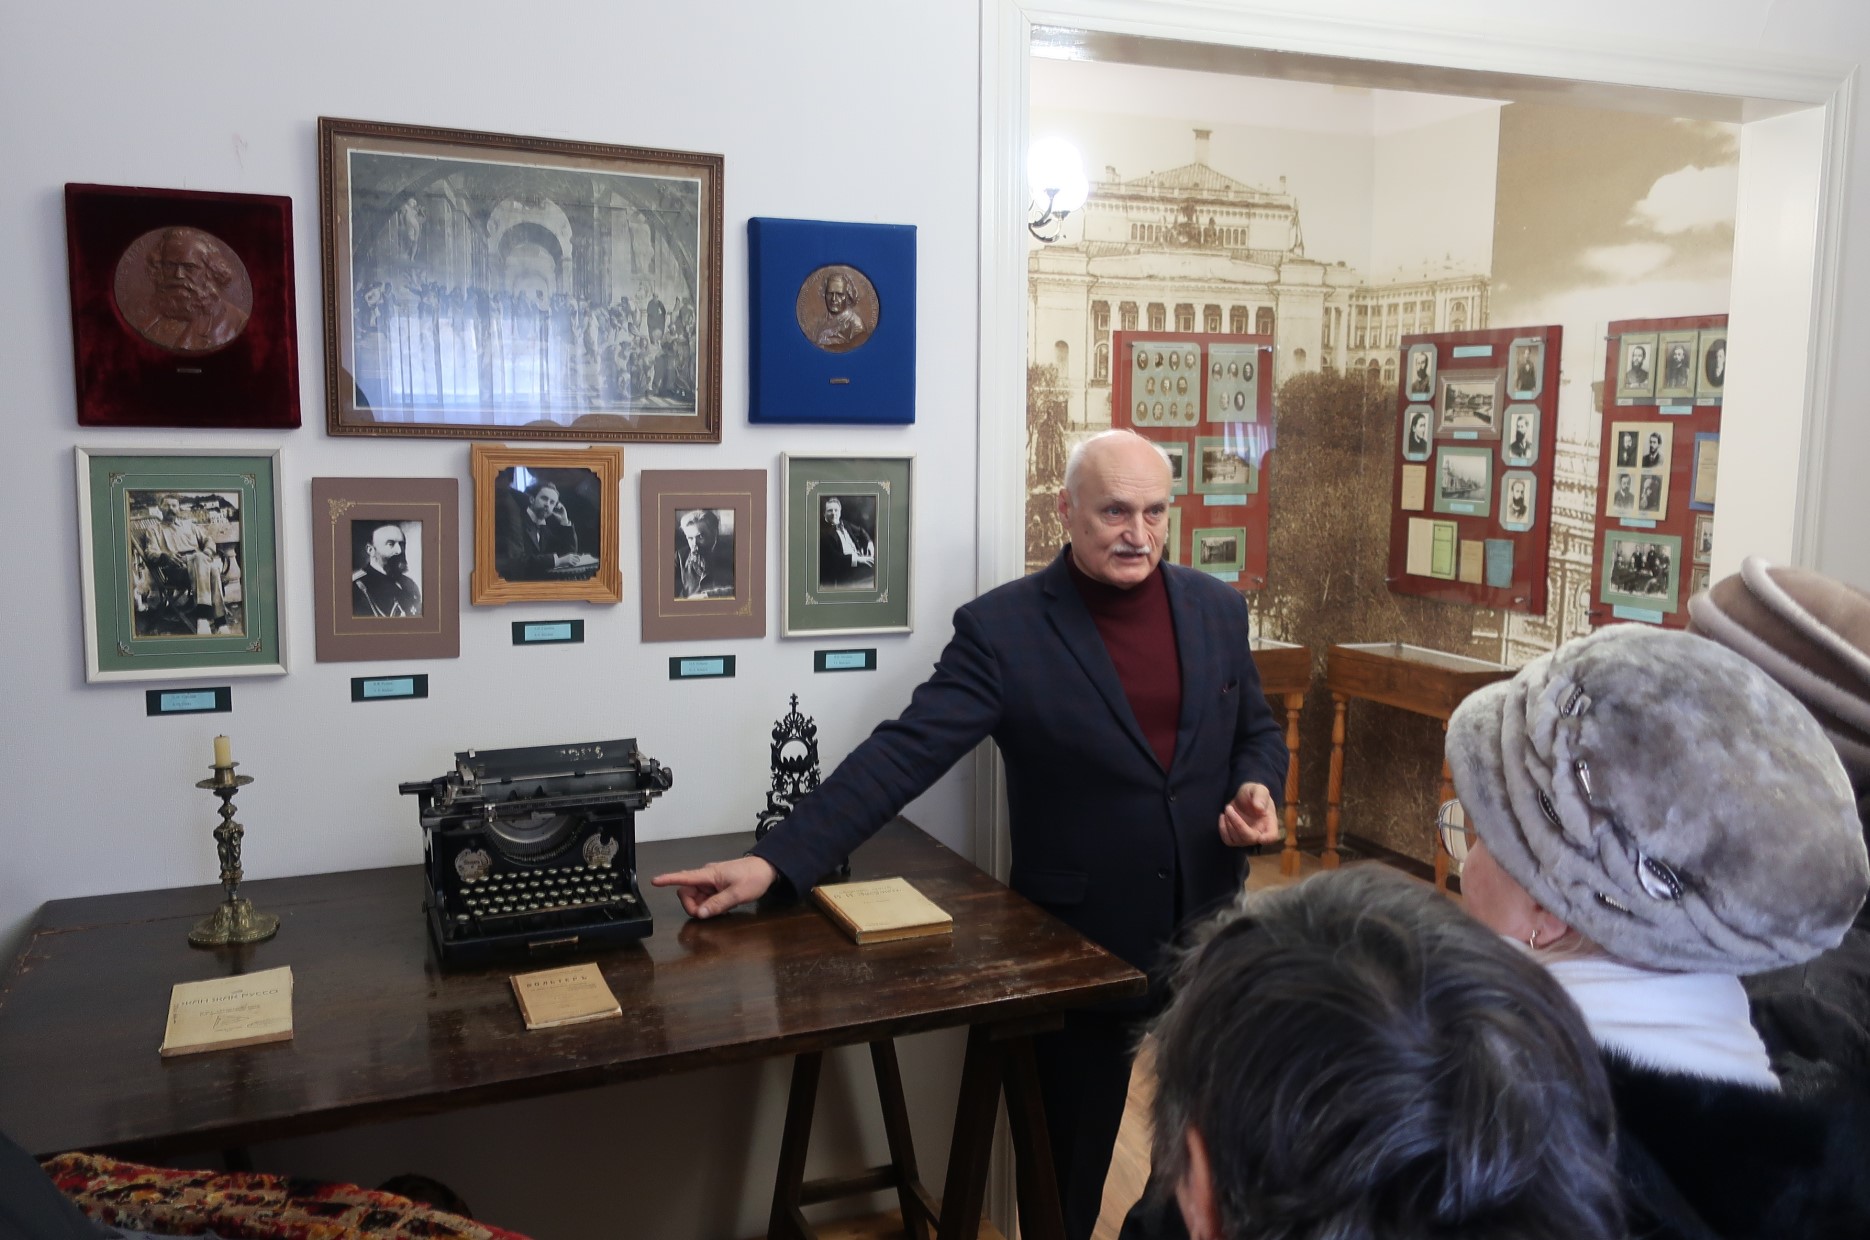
(528, 850)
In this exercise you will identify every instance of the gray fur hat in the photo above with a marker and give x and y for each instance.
(1667, 799)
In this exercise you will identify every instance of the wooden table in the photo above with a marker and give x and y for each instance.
(381, 1031)
(1412, 678)
(1286, 677)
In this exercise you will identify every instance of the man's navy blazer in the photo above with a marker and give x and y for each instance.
(1102, 835)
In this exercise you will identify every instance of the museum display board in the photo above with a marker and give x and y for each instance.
(1659, 454)
(1476, 431)
(1205, 398)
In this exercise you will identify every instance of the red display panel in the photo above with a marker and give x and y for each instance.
(1207, 399)
(1471, 498)
(1658, 454)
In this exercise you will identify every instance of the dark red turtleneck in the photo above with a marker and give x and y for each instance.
(1140, 636)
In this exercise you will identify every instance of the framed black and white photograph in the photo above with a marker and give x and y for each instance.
(180, 563)
(1219, 550)
(1417, 432)
(1703, 547)
(1470, 404)
(1172, 544)
(1526, 368)
(1644, 453)
(1641, 570)
(547, 524)
(1419, 372)
(847, 544)
(1711, 364)
(1697, 581)
(1224, 466)
(1707, 471)
(1519, 443)
(385, 576)
(1235, 376)
(1519, 493)
(704, 554)
(1675, 352)
(1636, 367)
(484, 285)
(1463, 481)
(1176, 451)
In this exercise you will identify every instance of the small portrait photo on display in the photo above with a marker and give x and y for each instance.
(185, 563)
(1177, 454)
(1703, 551)
(1520, 443)
(1142, 358)
(1519, 490)
(1651, 494)
(1416, 435)
(1677, 353)
(704, 553)
(386, 568)
(1626, 449)
(1711, 372)
(1622, 499)
(1636, 366)
(1526, 368)
(1419, 370)
(847, 551)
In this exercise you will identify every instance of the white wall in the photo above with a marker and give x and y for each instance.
(839, 109)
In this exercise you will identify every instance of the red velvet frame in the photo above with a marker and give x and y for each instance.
(123, 379)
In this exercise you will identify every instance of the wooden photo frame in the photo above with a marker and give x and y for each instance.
(183, 311)
(533, 547)
(180, 563)
(486, 286)
(386, 568)
(847, 571)
(704, 554)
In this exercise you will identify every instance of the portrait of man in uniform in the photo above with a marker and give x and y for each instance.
(381, 584)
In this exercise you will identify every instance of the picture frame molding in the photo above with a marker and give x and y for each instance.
(337, 136)
(666, 618)
(486, 586)
(343, 637)
(190, 666)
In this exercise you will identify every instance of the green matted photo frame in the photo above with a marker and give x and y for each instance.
(180, 563)
(846, 554)
(1642, 570)
(1218, 549)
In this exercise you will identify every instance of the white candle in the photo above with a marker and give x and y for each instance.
(223, 752)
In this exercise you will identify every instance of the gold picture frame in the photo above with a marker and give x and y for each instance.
(530, 547)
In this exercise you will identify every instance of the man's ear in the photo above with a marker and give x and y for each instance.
(1194, 1192)
(1064, 505)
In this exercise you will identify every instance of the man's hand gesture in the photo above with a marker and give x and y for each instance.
(720, 885)
(1250, 818)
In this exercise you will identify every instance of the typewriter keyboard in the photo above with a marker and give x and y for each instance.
(539, 897)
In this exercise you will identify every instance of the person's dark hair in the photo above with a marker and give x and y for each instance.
(1363, 1060)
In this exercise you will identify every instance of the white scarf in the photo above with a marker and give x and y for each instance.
(1695, 1023)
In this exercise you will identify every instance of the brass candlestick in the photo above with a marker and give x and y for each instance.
(235, 921)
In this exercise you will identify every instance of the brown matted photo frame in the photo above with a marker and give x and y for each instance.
(386, 568)
(704, 554)
(547, 524)
(490, 286)
(182, 308)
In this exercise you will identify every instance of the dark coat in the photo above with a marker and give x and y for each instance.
(1713, 1158)
(1102, 835)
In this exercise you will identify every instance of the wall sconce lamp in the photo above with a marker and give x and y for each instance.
(1055, 171)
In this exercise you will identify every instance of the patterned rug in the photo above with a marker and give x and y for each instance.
(249, 1206)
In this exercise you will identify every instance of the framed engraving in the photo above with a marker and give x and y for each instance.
(848, 541)
(386, 576)
(833, 321)
(179, 554)
(482, 286)
(704, 554)
(547, 524)
(182, 308)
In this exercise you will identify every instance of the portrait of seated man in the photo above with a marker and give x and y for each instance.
(380, 582)
(534, 537)
(847, 552)
(704, 553)
(183, 587)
